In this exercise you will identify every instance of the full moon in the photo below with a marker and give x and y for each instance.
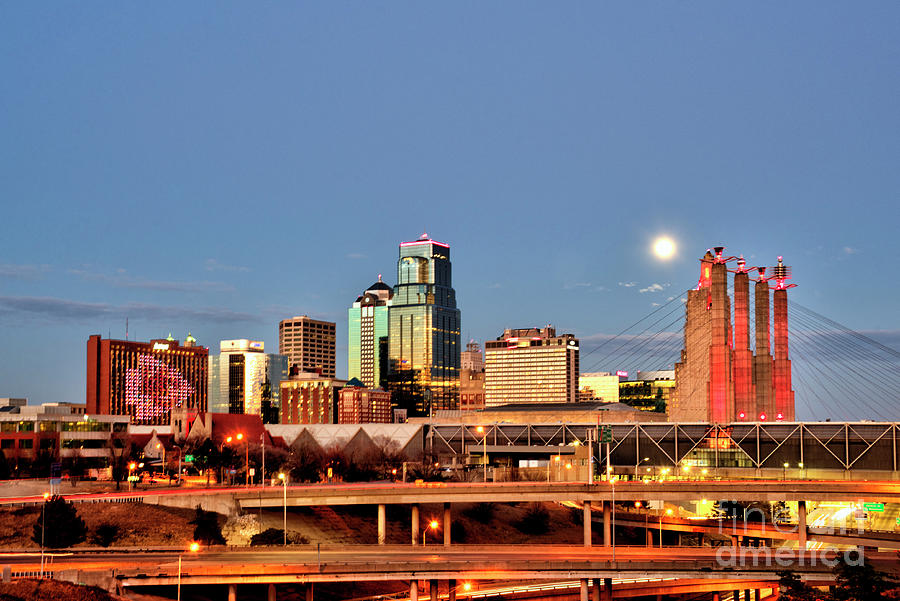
(664, 248)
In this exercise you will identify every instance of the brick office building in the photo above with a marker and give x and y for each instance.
(146, 380)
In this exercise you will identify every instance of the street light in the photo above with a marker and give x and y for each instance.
(43, 529)
(160, 447)
(668, 512)
(240, 437)
(784, 471)
(433, 524)
(194, 547)
(283, 477)
(131, 467)
(480, 430)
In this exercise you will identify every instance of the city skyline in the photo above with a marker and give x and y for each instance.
(148, 186)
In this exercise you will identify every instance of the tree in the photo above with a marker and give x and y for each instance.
(58, 525)
(105, 534)
(206, 527)
(275, 536)
(857, 580)
(791, 588)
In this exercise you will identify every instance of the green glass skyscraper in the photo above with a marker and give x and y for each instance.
(424, 326)
(368, 340)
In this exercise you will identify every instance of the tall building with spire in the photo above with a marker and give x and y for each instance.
(367, 348)
(424, 330)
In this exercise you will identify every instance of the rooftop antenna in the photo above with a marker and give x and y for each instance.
(126, 328)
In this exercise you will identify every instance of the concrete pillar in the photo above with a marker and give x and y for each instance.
(270, 596)
(607, 525)
(447, 524)
(607, 589)
(595, 590)
(649, 532)
(451, 595)
(232, 592)
(746, 594)
(433, 589)
(413, 589)
(309, 591)
(382, 524)
(716, 597)
(756, 594)
(587, 524)
(415, 524)
(584, 590)
(801, 525)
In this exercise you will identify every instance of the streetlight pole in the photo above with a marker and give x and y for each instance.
(433, 525)
(195, 546)
(43, 529)
(262, 476)
(482, 430)
(283, 477)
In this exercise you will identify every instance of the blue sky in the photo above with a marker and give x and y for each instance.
(216, 167)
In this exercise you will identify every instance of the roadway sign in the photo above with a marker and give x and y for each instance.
(188, 458)
(876, 507)
(605, 434)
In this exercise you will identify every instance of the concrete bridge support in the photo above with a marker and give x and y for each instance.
(415, 524)
(413, 590)
(587, 524)
(270, 593)
(584, 590)
(607, 525)
(607, 589)
(382, 524)
(595, 590)
(433, 590)
(447, 525)
(232, 592)
(309, 592)
(801, 525)
(451, 596)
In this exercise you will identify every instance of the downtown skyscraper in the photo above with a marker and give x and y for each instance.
(424, 327)
(367, 348)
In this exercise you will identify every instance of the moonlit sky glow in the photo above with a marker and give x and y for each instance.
(213, 169)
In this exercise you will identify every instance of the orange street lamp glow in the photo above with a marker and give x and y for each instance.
(433, 525)
(46, 496)
(467, 586)
(195, 546)
(228, 439)
(240, 436)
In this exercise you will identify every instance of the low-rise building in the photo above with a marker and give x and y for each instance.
(309, 398)
(360, 405)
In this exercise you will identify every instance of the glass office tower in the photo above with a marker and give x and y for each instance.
(424, 326)
(244, 379)
(368, 335)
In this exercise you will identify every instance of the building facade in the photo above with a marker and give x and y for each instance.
(367, 348)
(599, 386)
(146, 380)
(719, 379)
(243, 378)
(360, 405)
(531, 366)
(648, 391)
(309, 398)
(471, 378)
(424, 326)
(308, 343)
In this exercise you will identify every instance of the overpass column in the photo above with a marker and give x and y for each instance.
(413, 590)
(309, 591)
(587, 524)
(433, 589)
(607, 525)
(270, 596)
(232, 592)
(415, 524)
(382, 524)
(447, 525)
(607, 589)
(584, 590)
(451, 593)
(595, 590)
(756, 594)
(801, 524)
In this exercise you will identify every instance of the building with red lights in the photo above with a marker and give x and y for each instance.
(719, 378)
(146, 380)
(531, 365)
(360, 405)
